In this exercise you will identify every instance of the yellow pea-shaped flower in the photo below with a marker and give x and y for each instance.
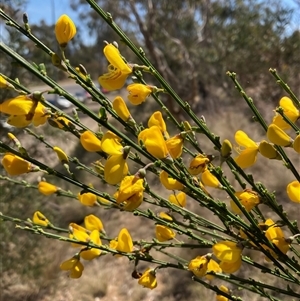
(164, 233)
(40, 219)
(90, 142)
(154, 142)
(148, 279)
(15, 165)
(138, 93)
(277, 136)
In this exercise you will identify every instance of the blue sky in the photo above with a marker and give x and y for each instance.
(48, 10)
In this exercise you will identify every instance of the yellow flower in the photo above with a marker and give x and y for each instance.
(138, 93)
(277, 136)
(74, 266)
(231, 267)
(164, 233)
(179, 199)
(273, 231)
(130, 193)
(90, 142)
(248, 198)
(65, 30)
(92, 222)
(46, 188)
(199, 264)
(113, 80)
(227, 251)
(148, 279)
(157, 119)
(165, 216)
(120, 107)
(20, 105)
(123, 243)
(92, 252)
(118, 70)
(61, 155)
(87, 198)
(175, 146)
(39, 119)
(169, 183)
(212, 266)
(268, 150)
(221, 297)
(247, 156)
(111, 143)
(208, 179)
(289, 110)
(79, 233)
(293, 191)
(15, 165)
(113, 55)
(60, 122)
(154, 142)
(116, 167)
(23, 110)
(198, 164)
(40, 219)
(296, 144)
(18, 121)
(3, 82)
(275, 235)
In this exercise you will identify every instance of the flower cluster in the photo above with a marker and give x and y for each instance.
(174, 154)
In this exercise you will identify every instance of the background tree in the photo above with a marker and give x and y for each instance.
(201, 40)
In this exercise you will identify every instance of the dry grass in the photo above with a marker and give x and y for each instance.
(34, 270)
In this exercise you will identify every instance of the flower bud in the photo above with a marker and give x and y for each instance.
(58, 62)
(61, 154)
(120, 107)
(65, 30)
(46, 188)
(268, 150)
(226, 148)
(293, 191)
(165, 216)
